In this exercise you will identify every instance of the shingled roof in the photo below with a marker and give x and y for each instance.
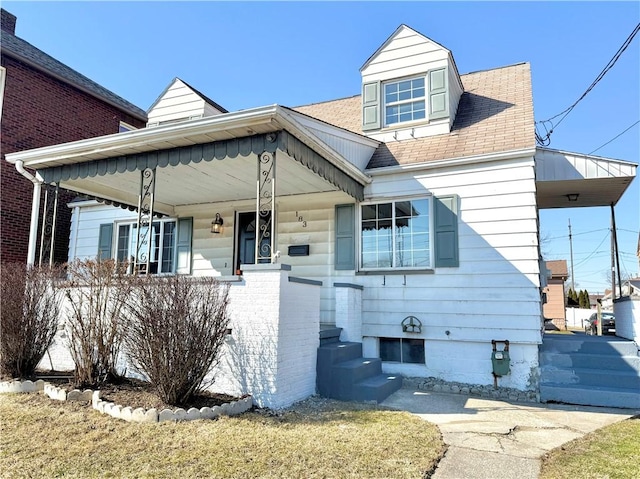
(495, 115)
(23, 51)
(557, 268)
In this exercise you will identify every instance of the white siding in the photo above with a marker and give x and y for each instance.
(356, 149)
(408, 53)
(179, 102)
(85, 227)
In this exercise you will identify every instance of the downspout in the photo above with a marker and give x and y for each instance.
(35, 211)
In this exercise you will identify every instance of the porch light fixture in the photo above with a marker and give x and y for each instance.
(216, 224)
(573, 196)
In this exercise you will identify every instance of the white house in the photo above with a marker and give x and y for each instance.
(416, 201)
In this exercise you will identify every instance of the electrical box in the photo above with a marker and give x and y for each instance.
(500, 359)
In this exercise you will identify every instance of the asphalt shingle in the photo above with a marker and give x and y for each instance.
(495, 114)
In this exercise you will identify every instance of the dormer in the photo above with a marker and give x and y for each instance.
(180, 102)
(410, 88)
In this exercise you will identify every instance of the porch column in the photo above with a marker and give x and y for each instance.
(265, 203)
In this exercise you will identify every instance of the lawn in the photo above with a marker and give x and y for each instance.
(611, 452)
(318, 438)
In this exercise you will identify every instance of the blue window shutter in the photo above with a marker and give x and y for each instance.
(446, 231)
(438, 94)
(183, 246)
(105, 241)
(345, 249)
(371, 106)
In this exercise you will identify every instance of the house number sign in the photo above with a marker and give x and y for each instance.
(301, 219)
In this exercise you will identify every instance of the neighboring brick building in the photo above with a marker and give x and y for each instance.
(554, 308)
(44, 103)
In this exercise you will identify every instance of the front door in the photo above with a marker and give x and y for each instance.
(246, 246)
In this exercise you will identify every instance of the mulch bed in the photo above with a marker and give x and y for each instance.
(134, 393)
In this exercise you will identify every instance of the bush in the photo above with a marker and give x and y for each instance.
(97, 292)
(29, 316)
(175, 330)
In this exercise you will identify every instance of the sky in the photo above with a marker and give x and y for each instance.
(250, 54)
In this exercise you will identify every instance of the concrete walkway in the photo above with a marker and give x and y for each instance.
(496, 439)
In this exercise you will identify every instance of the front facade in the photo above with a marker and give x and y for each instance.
(409, 213)
(44, 103)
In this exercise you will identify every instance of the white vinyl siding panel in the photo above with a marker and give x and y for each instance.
(407, 54)
(494, 293)
(179, 102)
(85, 223)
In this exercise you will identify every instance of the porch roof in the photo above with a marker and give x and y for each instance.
(109, 167)
(565, 179)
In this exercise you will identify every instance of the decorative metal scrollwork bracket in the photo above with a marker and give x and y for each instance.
(265, 207)
(142, 258)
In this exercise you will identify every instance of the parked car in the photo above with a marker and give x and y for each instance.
(608, 323)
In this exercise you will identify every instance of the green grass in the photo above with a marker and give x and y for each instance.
(44, 438)
(611, 452)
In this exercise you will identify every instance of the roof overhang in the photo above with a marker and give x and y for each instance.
(570, 180)
(109, 167)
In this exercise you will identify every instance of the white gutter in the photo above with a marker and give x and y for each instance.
(466, 160)
(145, 138)
(35, 209)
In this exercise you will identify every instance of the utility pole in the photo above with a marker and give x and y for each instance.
(573, 284)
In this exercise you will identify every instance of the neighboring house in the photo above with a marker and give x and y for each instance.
(554, 308)
(408, 216)
(44, 102)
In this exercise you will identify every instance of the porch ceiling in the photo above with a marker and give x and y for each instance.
(596, 181)
(230, 179)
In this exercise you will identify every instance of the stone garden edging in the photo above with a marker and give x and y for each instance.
(233, 408)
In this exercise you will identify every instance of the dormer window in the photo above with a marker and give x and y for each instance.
(404, 101)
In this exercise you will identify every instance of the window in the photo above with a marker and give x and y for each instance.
(396, 234)
(124, 127)
(402, 350)
(163, 245)
(404, 101)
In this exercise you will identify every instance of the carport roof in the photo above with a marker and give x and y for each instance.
(566, 180)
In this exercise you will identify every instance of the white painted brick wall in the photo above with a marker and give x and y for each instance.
(271, 353)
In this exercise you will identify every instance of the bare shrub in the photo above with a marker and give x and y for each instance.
(30, 305)
(96, 293)
(175, 330)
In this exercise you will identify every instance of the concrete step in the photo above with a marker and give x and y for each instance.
(590, 396)
(376, 388)
(337, 352)
(590, 361)
(347, 374)
(329, 334)
(329, 355)
(560, 343)
(621, 379)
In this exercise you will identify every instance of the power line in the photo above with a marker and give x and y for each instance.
(614, 138)
(594, 251)
(549, 125)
